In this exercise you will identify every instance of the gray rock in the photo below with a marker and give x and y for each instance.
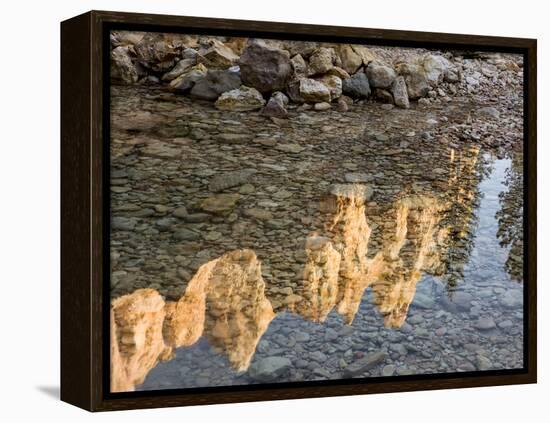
(435, 68)
(399, 349)
(301, 336)
(511, 299)
(180, 212)
(276, 106)
(423, 301)
(321, 106)
(240, 100)
(318, 356)
(357, 177)
(334, 85)
(214, 83)
(357, 86)
(269, 369)
(188, 79)
(380, 75)
(155, 52)
(388, 370)
(363, 364)
(299, 66)
(321, 61)
(227, 180)
(123, 68)
(217, 56)
(181, 67)
(462, 300)
(123, 223)
(308, 90)
(485, 323)
(399, 92)
(483, 363)
(490, 112)
(184, 234)
(415, 79)
(265, 67)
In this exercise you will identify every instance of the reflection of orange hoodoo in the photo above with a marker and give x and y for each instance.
(225, 301)
(413, 248)
(136, 338)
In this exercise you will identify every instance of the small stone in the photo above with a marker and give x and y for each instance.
(490, 112)
(242, 99)
(259, 214)
(483, 363)
(123, 223)
(220, 203)
(186, 235)
(212, 236)
(356, 177)
(388, 370)
(363, 364)
(229, 180)
(290, 148)
(399, 92)
(321, 106)
(269, 369)
(485, 323)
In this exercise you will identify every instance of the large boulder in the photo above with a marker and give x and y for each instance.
(181, 67)
(187, 80)
(265, 67)
(415, 79)
(436, 68)
(303, 48)
(351, 61)
(357, 86)
(399, 92)
(276, 106)
(380, 75)
(334, 85)
(307, 90)
(123, 68)
(217, 56)
(365, 53)
(240, 100)
(321, 61)
(156, 52)
(216, 82)
(299, 66)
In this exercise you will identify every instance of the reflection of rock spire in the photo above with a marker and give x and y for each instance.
(238, 313)
(320, 279)
(412, 248)
(136, 338)
(225, 301)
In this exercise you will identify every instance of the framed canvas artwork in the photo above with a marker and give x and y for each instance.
(257, 210)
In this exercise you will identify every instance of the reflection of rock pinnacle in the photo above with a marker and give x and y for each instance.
(224, 300)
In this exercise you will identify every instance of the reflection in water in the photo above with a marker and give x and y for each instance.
(357, 243)
(510, 218)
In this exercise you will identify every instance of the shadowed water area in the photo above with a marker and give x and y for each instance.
(327, 246)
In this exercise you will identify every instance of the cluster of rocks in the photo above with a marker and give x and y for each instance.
(254, 74)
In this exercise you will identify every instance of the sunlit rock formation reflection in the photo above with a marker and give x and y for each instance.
(364, 235)
(224, 301)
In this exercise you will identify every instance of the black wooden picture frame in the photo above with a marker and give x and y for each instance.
(85, 210)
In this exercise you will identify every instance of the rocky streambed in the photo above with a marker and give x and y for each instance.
(319, 243)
